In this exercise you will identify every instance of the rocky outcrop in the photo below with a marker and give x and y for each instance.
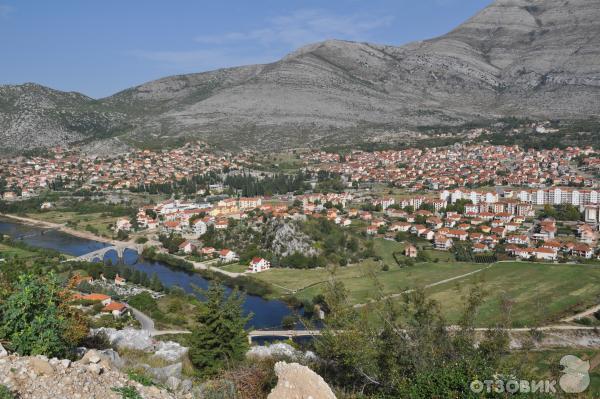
(141, 340)
(40, 378)
(295, 381)
(535, 58)
(280, 351)
(285, 238)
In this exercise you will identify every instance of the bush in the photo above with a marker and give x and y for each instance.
(128, 392)
(141, 240)
(5, 393)
(36, 320)
(585, 321)
(288, 322)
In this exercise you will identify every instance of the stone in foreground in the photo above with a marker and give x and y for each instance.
(299, 382)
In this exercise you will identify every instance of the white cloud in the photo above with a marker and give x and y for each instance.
(268, 43)
(303, 27)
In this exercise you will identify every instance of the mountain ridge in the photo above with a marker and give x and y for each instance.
(525, 58)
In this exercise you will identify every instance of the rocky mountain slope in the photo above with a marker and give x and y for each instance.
(516, 57)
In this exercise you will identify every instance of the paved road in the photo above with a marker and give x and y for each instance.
(204, 266)
(146, 322)
(305, 333)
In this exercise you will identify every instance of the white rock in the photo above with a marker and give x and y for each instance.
(95, 368)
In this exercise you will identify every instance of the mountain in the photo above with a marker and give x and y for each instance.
(539, 59)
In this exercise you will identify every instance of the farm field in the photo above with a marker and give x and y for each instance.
(361, 280)
(540, 293)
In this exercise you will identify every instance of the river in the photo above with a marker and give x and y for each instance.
(267, 313)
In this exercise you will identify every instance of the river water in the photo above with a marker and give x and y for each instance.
(267, 313)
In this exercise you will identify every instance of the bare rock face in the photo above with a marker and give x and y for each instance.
(534, 58)
(299, 382)
(285, 238)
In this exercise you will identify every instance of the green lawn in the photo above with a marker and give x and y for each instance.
(540, 293)
(386, 248)
(235, 268)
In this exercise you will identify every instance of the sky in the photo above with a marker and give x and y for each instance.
(99, 47)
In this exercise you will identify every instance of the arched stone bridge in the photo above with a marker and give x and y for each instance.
(118, 248)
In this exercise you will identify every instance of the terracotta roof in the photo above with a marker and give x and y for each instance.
(96, 297)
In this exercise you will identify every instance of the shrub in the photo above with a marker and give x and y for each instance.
(141, 378)
(128, 392)
(585, 321)
(36, 320)
(288, 322)
(5, 393)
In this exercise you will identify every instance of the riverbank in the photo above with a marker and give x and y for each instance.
(267, 313)
(63, 228)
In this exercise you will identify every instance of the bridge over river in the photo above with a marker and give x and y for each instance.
(101, 253)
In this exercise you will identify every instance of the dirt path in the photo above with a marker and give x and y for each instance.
(581, 315)
(360, 305)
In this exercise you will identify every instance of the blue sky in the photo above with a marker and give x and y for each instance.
(99, 47)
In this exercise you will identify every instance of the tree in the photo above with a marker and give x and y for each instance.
(155, 283)
(37, 320)
(221, 338)
(376, 353)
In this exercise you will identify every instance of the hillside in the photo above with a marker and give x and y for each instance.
(538, 59)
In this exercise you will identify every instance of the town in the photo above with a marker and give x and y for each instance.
(497, 200)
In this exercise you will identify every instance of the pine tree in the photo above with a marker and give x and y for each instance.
(221, 338)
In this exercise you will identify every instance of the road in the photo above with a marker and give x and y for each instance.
(206, 266)
(147, 324)
(145, 321)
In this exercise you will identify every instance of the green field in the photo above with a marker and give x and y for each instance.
(97, 221)
(361, 280)
(10, 252)
(539, 293)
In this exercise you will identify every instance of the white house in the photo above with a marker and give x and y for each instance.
(117, 309)
(123, 224)
(545, 253)
(259, 265)
(120, 280)
(187, 247)
(199, 227)
(227, 255)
